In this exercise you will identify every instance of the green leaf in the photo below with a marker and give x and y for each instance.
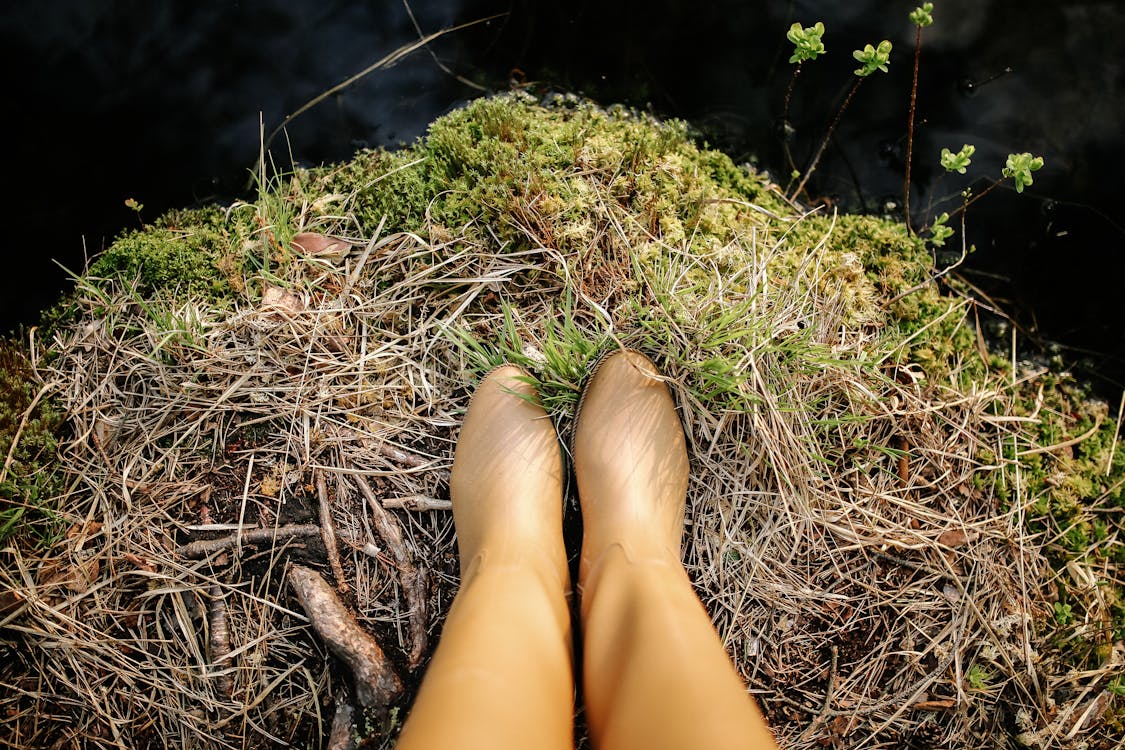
(807, 44)
(922, 16)
(957, 162)
(939, 232)
(873, 58)
(1020, 166)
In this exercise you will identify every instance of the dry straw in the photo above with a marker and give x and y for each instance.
(841, 529)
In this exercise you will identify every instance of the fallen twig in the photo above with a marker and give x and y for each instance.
(220, 641)
(205, 547)
(417, 502)
(341, 736)
(412, 580)
(376, 684)
(328, 534)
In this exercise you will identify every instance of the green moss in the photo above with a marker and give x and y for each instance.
(182, 254)
(29, 485)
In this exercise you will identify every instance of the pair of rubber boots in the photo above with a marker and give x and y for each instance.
(655, 674)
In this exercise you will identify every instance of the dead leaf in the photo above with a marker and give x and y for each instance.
(321, 246)
(953, 538)
(282, 300)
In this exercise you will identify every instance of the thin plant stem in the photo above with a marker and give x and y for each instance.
(827, 137)
(910, 128)
(785, 119)
(964, 206)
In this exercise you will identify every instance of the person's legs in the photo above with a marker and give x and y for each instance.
(502, 676)
(655, 672)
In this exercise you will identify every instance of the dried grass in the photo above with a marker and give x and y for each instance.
(841, 529)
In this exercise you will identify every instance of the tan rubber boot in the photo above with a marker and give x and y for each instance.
(502, 675)
(655, 672)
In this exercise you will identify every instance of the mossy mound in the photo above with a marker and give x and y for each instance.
(903, 536)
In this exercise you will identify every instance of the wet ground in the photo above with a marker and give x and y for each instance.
(163, 103)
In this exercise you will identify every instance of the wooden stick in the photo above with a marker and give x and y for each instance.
(417, 502)
(220, 641)
(328, 533)
(412, 580)
(205, 547)
(376, 684)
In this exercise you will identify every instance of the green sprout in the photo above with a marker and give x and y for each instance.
(922, 16)
(1020, 166)
(978, 677)
(873, 58)
(807, 44)
(957, 162)
(939, 232)
(1064, 614)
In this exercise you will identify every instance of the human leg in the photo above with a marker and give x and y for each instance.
(502, 675)
(655, 672)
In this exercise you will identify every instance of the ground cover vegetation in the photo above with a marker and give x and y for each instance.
(905, 534)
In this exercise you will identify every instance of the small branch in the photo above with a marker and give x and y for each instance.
(328, 533)
(910, 127)
(400, 456)
(205, 547)
(785, 118)
(19, 432)
(220, 641)
(376, 684)
(340, 738)
(417, 502)
(412, 580)
(827, 137)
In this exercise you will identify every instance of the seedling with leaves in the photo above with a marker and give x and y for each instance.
(872, 58)
(957, 162)
(920, 17)
(807, 45)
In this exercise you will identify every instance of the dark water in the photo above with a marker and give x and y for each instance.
(161, 102)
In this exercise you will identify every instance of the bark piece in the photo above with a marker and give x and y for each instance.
(376, 684)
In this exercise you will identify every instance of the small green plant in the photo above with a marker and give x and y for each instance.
(871, 57)
(807, 45)
(979, 678)
(939, 232)
(957, 162)
(807, 42)
(1020, 166)
(922, 16)
(1064, 615)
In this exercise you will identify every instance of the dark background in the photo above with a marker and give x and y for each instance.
(161, 102)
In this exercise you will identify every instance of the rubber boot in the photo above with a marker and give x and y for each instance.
(502, 674)
(655, 672)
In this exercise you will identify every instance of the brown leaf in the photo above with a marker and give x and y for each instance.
(282, 299)
(321, 246)
(953, 538)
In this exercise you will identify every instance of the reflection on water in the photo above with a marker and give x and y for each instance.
(162, 102)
